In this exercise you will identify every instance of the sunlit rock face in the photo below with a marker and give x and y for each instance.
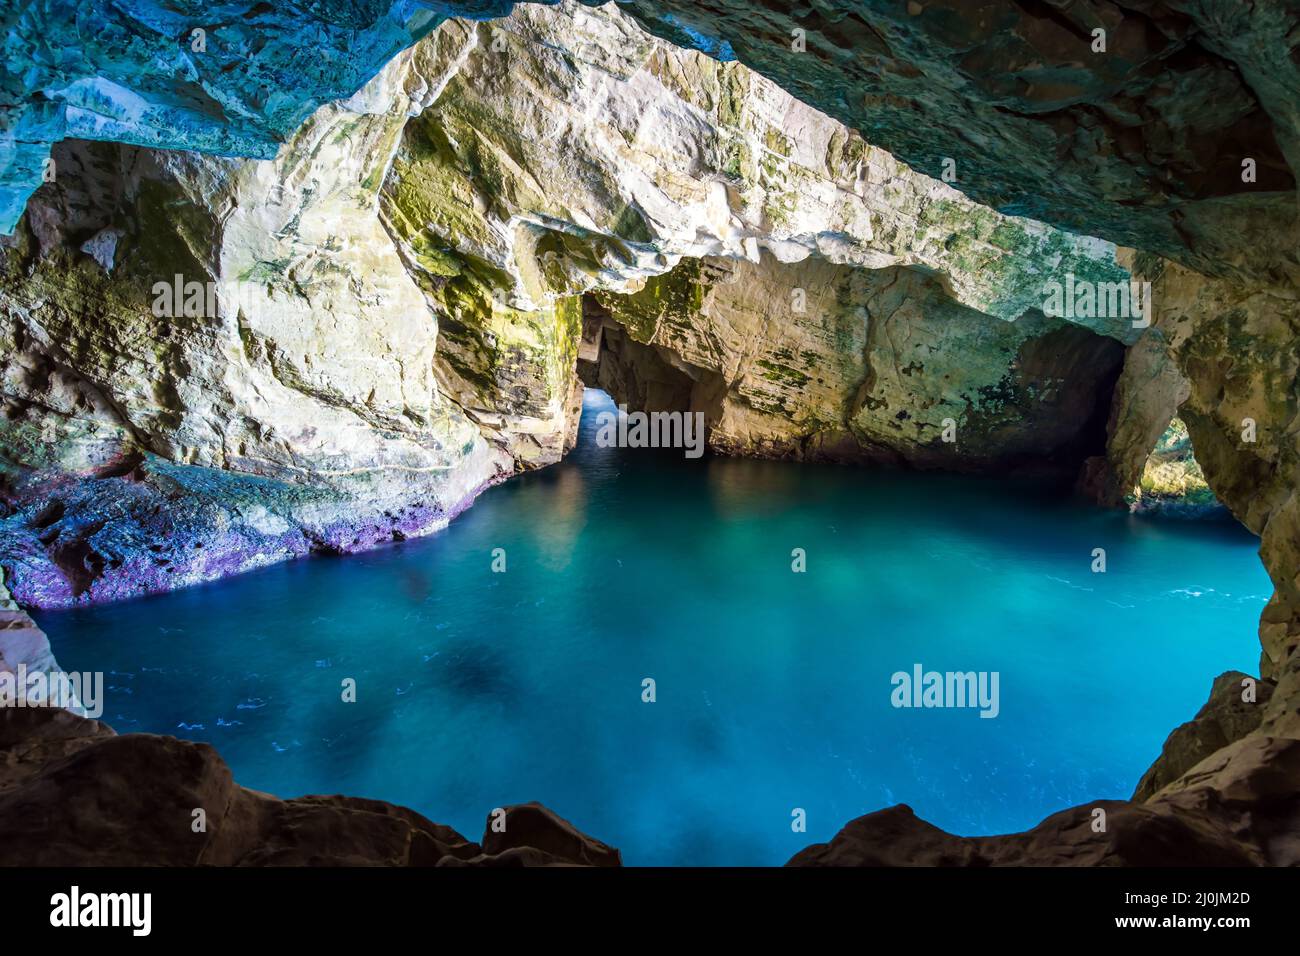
(387, 314)
(570, 151)
(292, 407)
(1141, 140)
(25, 651)
(1172, 480)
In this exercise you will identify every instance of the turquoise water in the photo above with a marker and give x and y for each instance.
(477, 689)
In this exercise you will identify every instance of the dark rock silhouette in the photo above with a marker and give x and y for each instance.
(1239, 807)
(1225, 718)
(74, 793)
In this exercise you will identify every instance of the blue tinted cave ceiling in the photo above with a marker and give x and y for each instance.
(1141, 144)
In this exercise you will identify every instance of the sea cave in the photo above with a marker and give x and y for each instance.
(964, 334)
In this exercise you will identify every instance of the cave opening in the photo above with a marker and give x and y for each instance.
(639, 376)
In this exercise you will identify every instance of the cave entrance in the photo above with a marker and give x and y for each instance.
(642, 377)
(1171, 481)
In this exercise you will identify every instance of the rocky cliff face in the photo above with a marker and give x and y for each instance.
(1235, 343)
(25, 651)
(1105, 118)
(1137, 133)
(213, 363)
(236, 77)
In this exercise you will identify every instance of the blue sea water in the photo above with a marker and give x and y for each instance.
(478, 689)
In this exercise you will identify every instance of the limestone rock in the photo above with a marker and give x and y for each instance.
(1234, 343)
(25, 651)
(571, 151)
(295, 408)
(1142, 142)
(386, 313)
(1102, 118)
(393, 293)
(533, 835)
(811, 360)
(236, 77)
(1147, 395)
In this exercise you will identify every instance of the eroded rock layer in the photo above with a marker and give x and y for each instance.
(1236, 345)
(1137, 133)
(1107, 118)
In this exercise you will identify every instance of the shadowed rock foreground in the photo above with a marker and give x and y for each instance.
(74, 793)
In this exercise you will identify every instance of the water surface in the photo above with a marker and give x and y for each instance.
(478, 689)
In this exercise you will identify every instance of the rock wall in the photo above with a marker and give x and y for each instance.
(812, 360)
(25, 651)
(235, 77)
(1236, 345)
(293, 406)
(1115, 133)
(1140, 138)
(387, 314)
